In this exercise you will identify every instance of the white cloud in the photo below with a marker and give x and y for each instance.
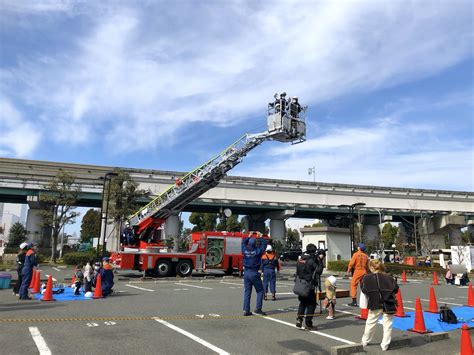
(18, 137)
(375, 154)
(128, 73)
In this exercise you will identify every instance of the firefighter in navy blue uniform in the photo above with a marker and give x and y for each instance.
(20, 261)
(270, 265)
(252, 255)
(27, 271)
(107, 277)
(309, 268)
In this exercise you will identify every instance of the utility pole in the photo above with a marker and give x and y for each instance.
(312, 171)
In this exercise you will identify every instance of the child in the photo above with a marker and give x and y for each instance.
(330, 300)
(79, 278)
(88, 275)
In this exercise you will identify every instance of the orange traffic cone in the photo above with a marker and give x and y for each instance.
(404, 276)
(435, 279)
(466, 344)
(32, 282)
(400, 310)
(98, 288)
(470, 296)
(419, 324)
(73, 280)
(36, 287)
(364, 313)
(48, 293)
(433, 308)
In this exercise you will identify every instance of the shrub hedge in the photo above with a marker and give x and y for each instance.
(391, 268)
(79, 257)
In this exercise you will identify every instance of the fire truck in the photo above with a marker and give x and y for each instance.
(208, 250)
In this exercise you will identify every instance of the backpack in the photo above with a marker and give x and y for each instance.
(447, 315)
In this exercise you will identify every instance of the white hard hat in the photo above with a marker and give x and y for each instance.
(88, 294)
(269, 248)
(332, 280)
(23, 245)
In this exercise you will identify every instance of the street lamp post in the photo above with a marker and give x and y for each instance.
(312, 171)
(351, 224)
(108, 177)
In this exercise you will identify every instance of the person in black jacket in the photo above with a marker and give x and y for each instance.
(309, 268)
(20, 261)
(377, 287)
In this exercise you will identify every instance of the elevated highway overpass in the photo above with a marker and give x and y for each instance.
(22, 181)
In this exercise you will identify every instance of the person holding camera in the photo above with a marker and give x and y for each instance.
(380, 289)
(252, 254)
(309, 268)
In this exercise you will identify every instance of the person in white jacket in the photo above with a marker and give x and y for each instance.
(88, 275)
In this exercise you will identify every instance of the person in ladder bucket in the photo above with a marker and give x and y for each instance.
(309, 267)
(252, 251)
(270, 265)
(27, 271)
(358, 266)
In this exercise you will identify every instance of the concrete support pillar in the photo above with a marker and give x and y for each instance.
(278, 230)
(172, 230)
(455, 237)
(254, 223)
(112, 239)
(35, 232)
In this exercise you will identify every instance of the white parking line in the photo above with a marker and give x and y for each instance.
(39, 341)
(231, 283)
(455, 304)
(193, 337)
(55, 268)
(313, 331)
(140, 288)
(206, 288)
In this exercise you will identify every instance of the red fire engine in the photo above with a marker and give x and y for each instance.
(208, 250)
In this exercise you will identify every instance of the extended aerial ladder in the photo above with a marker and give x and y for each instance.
(285, 123)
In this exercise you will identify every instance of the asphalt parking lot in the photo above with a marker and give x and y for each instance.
(196, 315)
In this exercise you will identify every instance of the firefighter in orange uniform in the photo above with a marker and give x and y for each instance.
(359, 266)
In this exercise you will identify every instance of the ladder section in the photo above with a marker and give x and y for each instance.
(285, 123)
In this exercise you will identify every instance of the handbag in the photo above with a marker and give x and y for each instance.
(389, 305)
(302, 287)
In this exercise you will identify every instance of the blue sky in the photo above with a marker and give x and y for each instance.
(167, 84)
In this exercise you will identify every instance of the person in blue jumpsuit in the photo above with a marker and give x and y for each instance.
(270, 265)
(27, 271)
(252, 255)
(107, 277)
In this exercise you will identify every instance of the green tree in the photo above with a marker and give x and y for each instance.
(123, 199)
(229, 224)
(203, 221)
(124, 196)
(389, 235)
(292, 238)
(90, 226)
(16, 235)
(58, 203)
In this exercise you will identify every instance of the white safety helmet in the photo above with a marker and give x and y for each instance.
(88, 294)
(332, 280)
(269, 248)
(23, 245)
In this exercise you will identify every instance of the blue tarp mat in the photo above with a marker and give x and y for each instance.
(432, 322)
(68, 295)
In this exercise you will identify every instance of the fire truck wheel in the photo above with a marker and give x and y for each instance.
(184, 268)
(163, 268)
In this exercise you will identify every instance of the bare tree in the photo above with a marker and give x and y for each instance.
(58, 203)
